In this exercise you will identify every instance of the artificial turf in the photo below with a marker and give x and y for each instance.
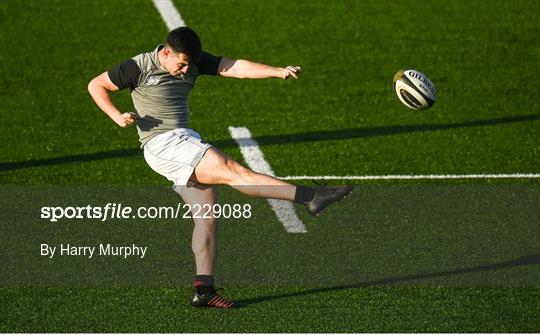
(458, 256)
(399, 309)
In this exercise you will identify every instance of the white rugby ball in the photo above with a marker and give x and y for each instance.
(414, 89)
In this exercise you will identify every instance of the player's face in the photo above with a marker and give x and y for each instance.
(176, 63)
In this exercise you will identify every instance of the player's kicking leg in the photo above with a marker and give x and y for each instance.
(204, 245)
(216, 168)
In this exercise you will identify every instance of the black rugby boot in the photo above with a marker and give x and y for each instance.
(324, 196)
(209, 299)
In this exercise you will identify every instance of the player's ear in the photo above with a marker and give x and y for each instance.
(166, 51)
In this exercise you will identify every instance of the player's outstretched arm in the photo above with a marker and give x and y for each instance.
(245, 69)
(99, 89)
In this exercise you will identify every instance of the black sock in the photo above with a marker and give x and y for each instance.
(304, 194)
(204, 283)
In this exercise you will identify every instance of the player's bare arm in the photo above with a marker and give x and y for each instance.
(245, 69)
(99, 89)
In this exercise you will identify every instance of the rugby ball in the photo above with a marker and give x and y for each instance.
(414, 89)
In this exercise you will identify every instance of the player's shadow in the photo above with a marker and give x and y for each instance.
(314, 136)
(522, 261)
(69, 159)
(148, 123)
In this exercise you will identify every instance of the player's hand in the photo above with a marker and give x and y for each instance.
(126, 119)
(291, 71)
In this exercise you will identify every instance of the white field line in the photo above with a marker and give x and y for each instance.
(425, 177)
(255, 160)
(169, 13)
(250, 149)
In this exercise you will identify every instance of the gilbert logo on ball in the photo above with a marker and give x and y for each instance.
(414, 89)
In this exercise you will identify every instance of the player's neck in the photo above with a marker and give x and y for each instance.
(161, 59)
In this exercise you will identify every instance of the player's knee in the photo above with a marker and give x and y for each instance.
(205, 220)
(238, 173)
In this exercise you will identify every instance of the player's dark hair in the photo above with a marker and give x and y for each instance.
(185, 40)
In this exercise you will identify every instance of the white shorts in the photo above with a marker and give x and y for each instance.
(175, 154)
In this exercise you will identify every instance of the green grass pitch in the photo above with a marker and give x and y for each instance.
(414, 256)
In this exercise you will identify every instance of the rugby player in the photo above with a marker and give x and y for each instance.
(160, 82)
